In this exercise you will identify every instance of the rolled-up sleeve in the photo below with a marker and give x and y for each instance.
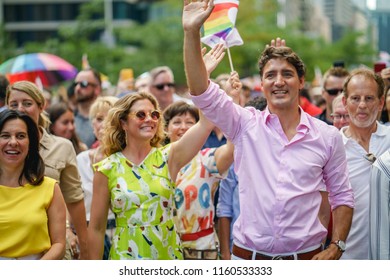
(336, 174)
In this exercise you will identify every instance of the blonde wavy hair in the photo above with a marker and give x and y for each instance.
(101, 104)
(36, 94)
(114, 138)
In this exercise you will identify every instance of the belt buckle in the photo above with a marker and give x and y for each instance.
(277, 258)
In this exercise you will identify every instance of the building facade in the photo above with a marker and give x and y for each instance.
(38, 20)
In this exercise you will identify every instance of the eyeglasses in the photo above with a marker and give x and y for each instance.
(162, 86)
(339, 116)
(334, 91)
(141, 115)
(84, 84)
(370, 157)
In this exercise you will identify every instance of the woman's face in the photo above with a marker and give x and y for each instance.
(179, 125)
(21, 101)
(64, 125)
(14, 143)
(138, 128)
(97, 124)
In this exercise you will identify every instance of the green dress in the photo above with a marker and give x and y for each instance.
(142, 200)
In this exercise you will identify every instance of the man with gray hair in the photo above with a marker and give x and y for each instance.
(364, 139)
(162, 86)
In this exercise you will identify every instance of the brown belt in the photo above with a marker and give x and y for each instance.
(247, 254)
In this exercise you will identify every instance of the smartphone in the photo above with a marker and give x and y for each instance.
(126, 74)
(379, 66)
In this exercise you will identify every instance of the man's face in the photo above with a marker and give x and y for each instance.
(340, 115)
(362, 103)
(163, 88)
(87, 87)
(281, 85)
(332, 88)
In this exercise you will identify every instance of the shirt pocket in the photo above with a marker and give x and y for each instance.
(53, 168)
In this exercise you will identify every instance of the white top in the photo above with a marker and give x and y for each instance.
(359, 176)
(86, 175)
(380, 209)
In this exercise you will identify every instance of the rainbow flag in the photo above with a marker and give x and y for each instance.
(220, 26)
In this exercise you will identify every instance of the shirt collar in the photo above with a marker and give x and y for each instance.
(45, 139)
(303, 126)
(381, 131)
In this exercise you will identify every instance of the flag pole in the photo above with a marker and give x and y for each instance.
(230, 59)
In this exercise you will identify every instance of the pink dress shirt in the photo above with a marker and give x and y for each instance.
(280, 180)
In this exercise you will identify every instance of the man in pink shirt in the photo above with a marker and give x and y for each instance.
(283, 157)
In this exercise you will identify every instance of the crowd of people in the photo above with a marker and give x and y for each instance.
(216, 174)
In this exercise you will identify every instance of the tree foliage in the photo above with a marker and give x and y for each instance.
(160, 42)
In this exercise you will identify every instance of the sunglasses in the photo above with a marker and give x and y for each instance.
(162, 86)
(370, 157)
(141, 115)
(334, 91)
(84, 84)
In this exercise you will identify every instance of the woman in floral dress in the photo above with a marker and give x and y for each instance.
(137, 181)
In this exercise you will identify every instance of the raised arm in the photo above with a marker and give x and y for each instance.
(195, 14)
(224, 154)
(224, 157)
(185, 149)
(213, 57)
(233, 87)
(277, 43)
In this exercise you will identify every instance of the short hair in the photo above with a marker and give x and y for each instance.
(158, 70)
(336, 100)
(285, 53)
(339, 72)
(95, 73)
(179, 108)
(259, 102)
(222, 79)
(34, 167)
(35, 93)
(368, 74)
(3, 86)
(114, 138)
(102, 103)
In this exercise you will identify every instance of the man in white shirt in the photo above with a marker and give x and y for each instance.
(364, 140)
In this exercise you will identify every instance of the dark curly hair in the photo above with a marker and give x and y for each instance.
(284, 53)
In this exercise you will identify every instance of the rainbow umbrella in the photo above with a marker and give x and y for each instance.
(49, 68)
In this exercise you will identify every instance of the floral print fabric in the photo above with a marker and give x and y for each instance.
(142, 200)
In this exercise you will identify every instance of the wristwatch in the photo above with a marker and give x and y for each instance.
(340, 244)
